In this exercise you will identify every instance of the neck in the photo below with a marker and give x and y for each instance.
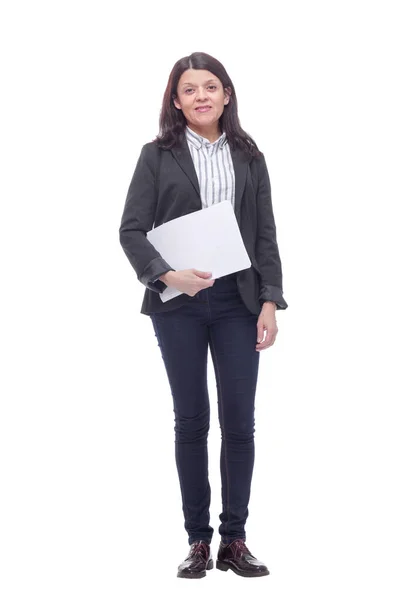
(211, 133)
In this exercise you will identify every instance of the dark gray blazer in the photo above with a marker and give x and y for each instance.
(164, 186)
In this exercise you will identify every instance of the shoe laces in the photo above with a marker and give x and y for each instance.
(239, 547)
(199, 548)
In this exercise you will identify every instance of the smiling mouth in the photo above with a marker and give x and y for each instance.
(203, 108)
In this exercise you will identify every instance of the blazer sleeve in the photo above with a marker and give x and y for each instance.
(267, 252)
(138, 218)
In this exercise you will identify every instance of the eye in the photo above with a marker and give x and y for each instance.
(191, 89)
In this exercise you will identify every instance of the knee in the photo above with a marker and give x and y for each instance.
(241, 433)
(192, 428)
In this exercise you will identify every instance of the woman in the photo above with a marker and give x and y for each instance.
(202, 156)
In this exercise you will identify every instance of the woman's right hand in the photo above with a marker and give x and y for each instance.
(188, 281)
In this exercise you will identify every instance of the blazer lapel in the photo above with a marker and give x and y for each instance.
(184, 159)
(239, 159)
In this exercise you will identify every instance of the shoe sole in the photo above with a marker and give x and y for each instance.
(222, 566)
(209, 566)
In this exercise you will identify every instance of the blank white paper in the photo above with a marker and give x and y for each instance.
(208, 239)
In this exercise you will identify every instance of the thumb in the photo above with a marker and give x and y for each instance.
(260, 333)
(204, 274)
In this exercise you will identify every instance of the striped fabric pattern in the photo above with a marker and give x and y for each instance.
(213, 164)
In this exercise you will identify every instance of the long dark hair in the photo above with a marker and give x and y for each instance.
(173, 122)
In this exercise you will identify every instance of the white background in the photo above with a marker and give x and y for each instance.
(90, 502)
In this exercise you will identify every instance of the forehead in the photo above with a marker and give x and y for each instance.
(196, 77)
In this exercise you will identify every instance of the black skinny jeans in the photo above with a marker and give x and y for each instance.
(216, 317)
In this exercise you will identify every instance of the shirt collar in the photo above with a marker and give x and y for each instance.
(199, 141)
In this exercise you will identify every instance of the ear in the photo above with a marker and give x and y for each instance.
(177, 105)
(227, 95)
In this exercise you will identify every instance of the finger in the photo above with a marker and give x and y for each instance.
(263, 346)
(203, 274)
(269, 341)
(260, 334)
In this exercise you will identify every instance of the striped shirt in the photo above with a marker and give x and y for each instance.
(214, 168)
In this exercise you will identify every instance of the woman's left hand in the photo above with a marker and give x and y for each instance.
(266, 321)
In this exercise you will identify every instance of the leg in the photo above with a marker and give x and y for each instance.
(183, 340)
(232, 343)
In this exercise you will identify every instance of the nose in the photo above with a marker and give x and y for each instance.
(201, 94)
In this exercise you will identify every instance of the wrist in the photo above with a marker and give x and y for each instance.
(269, 302)
(165, 277)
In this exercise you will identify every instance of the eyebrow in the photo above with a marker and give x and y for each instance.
(208, 81)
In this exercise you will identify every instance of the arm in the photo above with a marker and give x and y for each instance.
(267, 252)
(138, 219)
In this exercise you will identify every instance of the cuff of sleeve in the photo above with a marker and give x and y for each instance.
(273, 294)
(156, 286)
(157, 267)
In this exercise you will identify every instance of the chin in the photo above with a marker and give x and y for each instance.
(205, 117)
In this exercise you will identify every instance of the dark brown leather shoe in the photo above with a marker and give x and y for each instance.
(237, 556)
(197, 562)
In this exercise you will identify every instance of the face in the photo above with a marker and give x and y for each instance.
(199, 88)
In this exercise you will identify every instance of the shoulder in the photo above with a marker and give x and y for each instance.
(150, 150)
(149, 156)
(258, 163)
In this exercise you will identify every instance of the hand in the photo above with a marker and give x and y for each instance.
(266, 321)
(188, 281)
